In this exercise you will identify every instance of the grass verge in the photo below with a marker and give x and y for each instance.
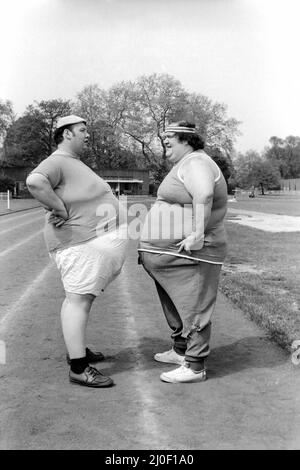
(261, 275)
(283, 204)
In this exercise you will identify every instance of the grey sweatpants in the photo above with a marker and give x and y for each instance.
(187, 291)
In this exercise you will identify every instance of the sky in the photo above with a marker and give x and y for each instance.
(243, 53)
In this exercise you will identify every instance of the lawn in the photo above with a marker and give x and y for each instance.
(262, 271)
(283, 204)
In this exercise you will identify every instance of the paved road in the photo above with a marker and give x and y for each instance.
(251, 399)
(17, 205)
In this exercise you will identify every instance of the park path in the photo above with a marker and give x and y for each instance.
(250, 401)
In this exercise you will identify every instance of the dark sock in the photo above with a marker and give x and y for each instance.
(78, 365)
(179, 351)
(197, 366)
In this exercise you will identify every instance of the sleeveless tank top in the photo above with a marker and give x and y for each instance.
(170, 219)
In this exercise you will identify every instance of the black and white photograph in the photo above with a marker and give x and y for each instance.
(150, 228)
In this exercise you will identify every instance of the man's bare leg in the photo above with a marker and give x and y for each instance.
(74, 317)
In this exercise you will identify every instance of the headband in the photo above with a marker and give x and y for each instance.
(187, 130)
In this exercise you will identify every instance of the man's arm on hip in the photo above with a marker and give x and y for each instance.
(40, 188)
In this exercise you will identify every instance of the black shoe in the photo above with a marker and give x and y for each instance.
(91, 377)
(91, 356)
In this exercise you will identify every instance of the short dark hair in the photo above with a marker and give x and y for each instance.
(58, 133)
(194, 140)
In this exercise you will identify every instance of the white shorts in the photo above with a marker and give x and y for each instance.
(88, 268)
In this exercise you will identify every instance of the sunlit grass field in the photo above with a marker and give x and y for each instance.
(262, 270)
(283, 204)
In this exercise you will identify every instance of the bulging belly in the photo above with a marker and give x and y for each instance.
(166, 224)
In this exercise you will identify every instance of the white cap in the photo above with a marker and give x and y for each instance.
(69, 120)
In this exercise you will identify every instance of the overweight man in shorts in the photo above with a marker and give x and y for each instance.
(86, 236)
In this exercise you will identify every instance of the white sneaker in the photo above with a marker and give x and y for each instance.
(183, 374)
(171, 357)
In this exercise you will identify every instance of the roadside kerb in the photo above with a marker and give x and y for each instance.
(12, 211)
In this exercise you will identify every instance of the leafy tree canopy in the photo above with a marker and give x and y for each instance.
(7, 117)
(253, 170)
(125, 124)
(284, 154)
(30, 138)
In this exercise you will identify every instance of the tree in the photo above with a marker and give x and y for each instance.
(30, 138)
(7, 117)
(162, 99)
(126, 124)
(292, 156)
(142, 109)
(265, 176)
(90, 105)
(253, 170)
(284, 154)
(139, 111)
(224, 162)
(276, 155)
(23, 142)
(6, 183)
(218, 130)
(105, 148)
(48, 112)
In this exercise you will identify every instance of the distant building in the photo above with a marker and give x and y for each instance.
(130, 182)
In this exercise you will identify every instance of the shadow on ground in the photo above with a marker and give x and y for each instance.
(247, 353)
